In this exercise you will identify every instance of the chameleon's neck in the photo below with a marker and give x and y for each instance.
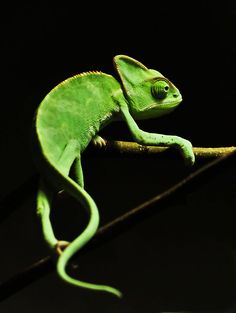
(119, 98)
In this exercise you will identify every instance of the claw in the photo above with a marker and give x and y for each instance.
(99, 141)
(61, 246)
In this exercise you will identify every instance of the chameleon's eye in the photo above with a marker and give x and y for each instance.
(160, 89)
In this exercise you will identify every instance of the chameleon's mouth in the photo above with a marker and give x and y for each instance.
(171, 104)
(164, 105)
(155, 110)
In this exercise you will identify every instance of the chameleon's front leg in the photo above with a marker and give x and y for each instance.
(146, 138)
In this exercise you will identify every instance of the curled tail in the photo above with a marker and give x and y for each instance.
(81, 195)
(43, 206)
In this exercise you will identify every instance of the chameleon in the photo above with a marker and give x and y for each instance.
(70, 117)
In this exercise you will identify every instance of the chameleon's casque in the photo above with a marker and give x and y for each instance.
(71, 115)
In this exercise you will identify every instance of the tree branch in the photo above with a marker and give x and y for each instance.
(18, 196)
(121, 223)
(126, 147)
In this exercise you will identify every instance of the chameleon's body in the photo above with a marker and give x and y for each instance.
(71, 115)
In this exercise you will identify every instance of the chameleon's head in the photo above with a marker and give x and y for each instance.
(147, 91)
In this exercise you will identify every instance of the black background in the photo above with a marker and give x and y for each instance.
(183, 257)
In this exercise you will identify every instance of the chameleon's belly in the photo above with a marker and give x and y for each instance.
(75, 110)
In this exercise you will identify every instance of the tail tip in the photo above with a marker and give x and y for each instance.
(115, 292)
(119, 294)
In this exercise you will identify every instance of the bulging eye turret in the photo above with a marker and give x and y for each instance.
(160, 89)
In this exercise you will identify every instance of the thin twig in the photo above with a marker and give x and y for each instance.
(140, 209)
(45, 265)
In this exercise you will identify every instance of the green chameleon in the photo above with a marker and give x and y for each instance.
(70, 117)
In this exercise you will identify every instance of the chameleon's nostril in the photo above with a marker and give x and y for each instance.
(175, 95)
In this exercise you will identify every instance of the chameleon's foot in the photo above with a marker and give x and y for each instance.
(188, 154)
(99, 142)
(186, 150)
(60, 246)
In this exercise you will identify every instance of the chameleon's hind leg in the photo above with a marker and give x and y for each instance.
(44, 199)
(45, 195)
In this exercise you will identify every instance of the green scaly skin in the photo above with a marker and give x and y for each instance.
(71, 115)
